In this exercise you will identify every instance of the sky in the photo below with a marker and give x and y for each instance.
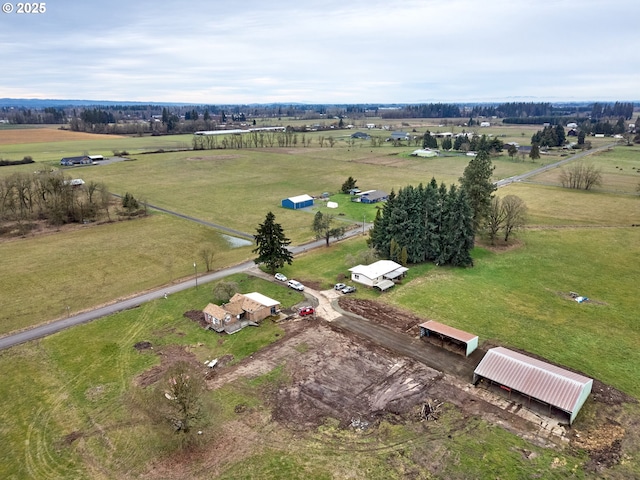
(329, 51)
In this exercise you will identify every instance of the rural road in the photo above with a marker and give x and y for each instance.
(518, 178)
(40, 331)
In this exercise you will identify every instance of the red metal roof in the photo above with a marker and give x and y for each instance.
(448, 331)
(553, 385)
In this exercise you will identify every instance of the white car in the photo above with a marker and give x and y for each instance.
(295, 285)
(280, 277)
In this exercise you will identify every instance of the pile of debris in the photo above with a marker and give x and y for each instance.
(429, 410)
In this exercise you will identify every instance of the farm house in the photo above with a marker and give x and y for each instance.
(300, 201)
(240, 311)
(459, 340)
(534, 381)
(379, 274)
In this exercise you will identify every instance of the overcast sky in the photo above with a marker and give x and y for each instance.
(330, 51)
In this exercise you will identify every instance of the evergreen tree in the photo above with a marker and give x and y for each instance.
(560, 135)
(429, 141)
(349, 184)
(460, 229)
(272, 244)
(476, 181)
(380, 235)
(534, 154)
(432, 220)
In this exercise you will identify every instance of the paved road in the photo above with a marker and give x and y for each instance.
(134, 301)
(519, 178)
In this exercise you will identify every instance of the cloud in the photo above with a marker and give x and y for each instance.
(322, 51)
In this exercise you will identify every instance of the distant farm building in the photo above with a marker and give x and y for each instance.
(374, 197)
(361, 136)
(399, 136)
(81, 160)
(533, 379)
(425, 153)
(380, 274)
(241, 310)
(300, 201)
(455, 339)
(370, 196)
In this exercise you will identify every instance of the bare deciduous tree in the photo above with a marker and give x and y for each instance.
(494, 221)
(224, 290)
(206, 254)
(177, 399)
(581, 176)
(515, 214)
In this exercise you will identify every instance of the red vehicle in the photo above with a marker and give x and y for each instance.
(304, 311)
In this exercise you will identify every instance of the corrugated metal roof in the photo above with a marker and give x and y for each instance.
(553, 385)
(300, 198)
(448, 331)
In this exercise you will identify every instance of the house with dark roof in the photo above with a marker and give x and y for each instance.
(373, 196)
(361, 136)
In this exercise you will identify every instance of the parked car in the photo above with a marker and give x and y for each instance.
(295, 285)
(348, 289)
(280, 277)
(339, 286)
(304, 311)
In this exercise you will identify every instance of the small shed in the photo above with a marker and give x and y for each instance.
(459, 339)
(535, 380)
(297, 202)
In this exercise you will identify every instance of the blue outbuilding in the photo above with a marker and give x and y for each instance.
(295, 203)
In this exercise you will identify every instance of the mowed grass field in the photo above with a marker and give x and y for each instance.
(50, 276)
(78, 383)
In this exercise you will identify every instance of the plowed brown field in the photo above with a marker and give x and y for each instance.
(42, 135)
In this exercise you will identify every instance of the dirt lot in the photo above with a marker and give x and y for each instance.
(33, 135)
(333, 373)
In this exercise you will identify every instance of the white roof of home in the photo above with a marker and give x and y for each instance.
(301, 198)
(262, 299)
(378, 269)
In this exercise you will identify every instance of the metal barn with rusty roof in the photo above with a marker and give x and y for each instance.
(537, 380)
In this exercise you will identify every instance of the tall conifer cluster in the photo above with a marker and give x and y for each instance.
(430, 224)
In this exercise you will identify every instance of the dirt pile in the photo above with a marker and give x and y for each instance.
(394, 318)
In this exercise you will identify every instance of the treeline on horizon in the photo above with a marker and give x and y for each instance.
(145, 119)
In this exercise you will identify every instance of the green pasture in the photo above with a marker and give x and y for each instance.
(51, 152)
(520, 297)
(70, 410)
(620, 167)
(81, 381)
(49, 276)
(549, 205)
